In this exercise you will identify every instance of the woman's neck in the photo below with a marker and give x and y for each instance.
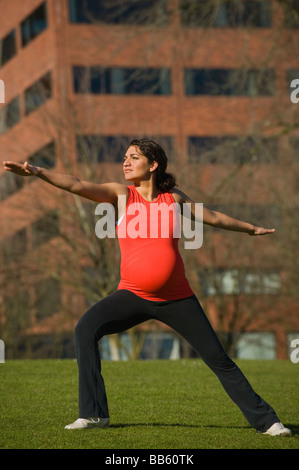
(148, 190)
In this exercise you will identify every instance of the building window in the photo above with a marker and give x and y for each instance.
(44, 157)
(227, 13)
(127, 81)
(237, 282)
(38, 93)
(256, 345)
(34, 24)
(10, 115)
(14, 246)
(291, 13)
(294, 145)
(17, 308)
(229, 82)
(98, 149)
(230, 149)
(47, 298)
(292, 74)
(156, 345)
(45, 228)
(10, 183)
(7, 48)
(129, 12)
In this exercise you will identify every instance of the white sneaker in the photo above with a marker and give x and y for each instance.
(87, 423)
(278, 429)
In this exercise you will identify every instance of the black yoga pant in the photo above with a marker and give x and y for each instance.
(123, 310)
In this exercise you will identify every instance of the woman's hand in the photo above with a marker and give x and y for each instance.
(261, 231)
(21, 169)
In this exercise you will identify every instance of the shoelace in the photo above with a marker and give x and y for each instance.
(94, 421)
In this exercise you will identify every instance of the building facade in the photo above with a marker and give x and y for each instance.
(209, 80)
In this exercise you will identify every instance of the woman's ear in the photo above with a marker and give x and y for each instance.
(154, 165)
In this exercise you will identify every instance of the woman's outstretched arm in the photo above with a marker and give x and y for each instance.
(106, 192)
(220, 220)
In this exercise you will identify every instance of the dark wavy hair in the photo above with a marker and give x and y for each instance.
(154, 152)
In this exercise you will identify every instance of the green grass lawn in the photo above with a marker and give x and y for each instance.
(153, 405)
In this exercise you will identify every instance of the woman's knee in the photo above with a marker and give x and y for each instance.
(86, 329)
(80, 328)
(218, 359)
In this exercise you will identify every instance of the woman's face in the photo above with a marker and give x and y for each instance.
(136, 166)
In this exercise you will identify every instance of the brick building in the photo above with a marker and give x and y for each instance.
(211, 82)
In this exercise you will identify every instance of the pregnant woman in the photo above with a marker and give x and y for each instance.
(153, 284)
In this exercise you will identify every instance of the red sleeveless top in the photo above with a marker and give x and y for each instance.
(148, 233)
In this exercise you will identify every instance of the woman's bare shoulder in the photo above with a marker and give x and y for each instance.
(179, 196)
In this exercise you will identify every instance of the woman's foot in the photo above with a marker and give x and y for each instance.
(88, 423)
(278, 429)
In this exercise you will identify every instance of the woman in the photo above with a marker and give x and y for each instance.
(153, 284)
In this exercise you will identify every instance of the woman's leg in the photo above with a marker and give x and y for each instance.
(117, 312)
(189, 320)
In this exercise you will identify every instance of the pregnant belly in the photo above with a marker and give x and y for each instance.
(150, 270)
